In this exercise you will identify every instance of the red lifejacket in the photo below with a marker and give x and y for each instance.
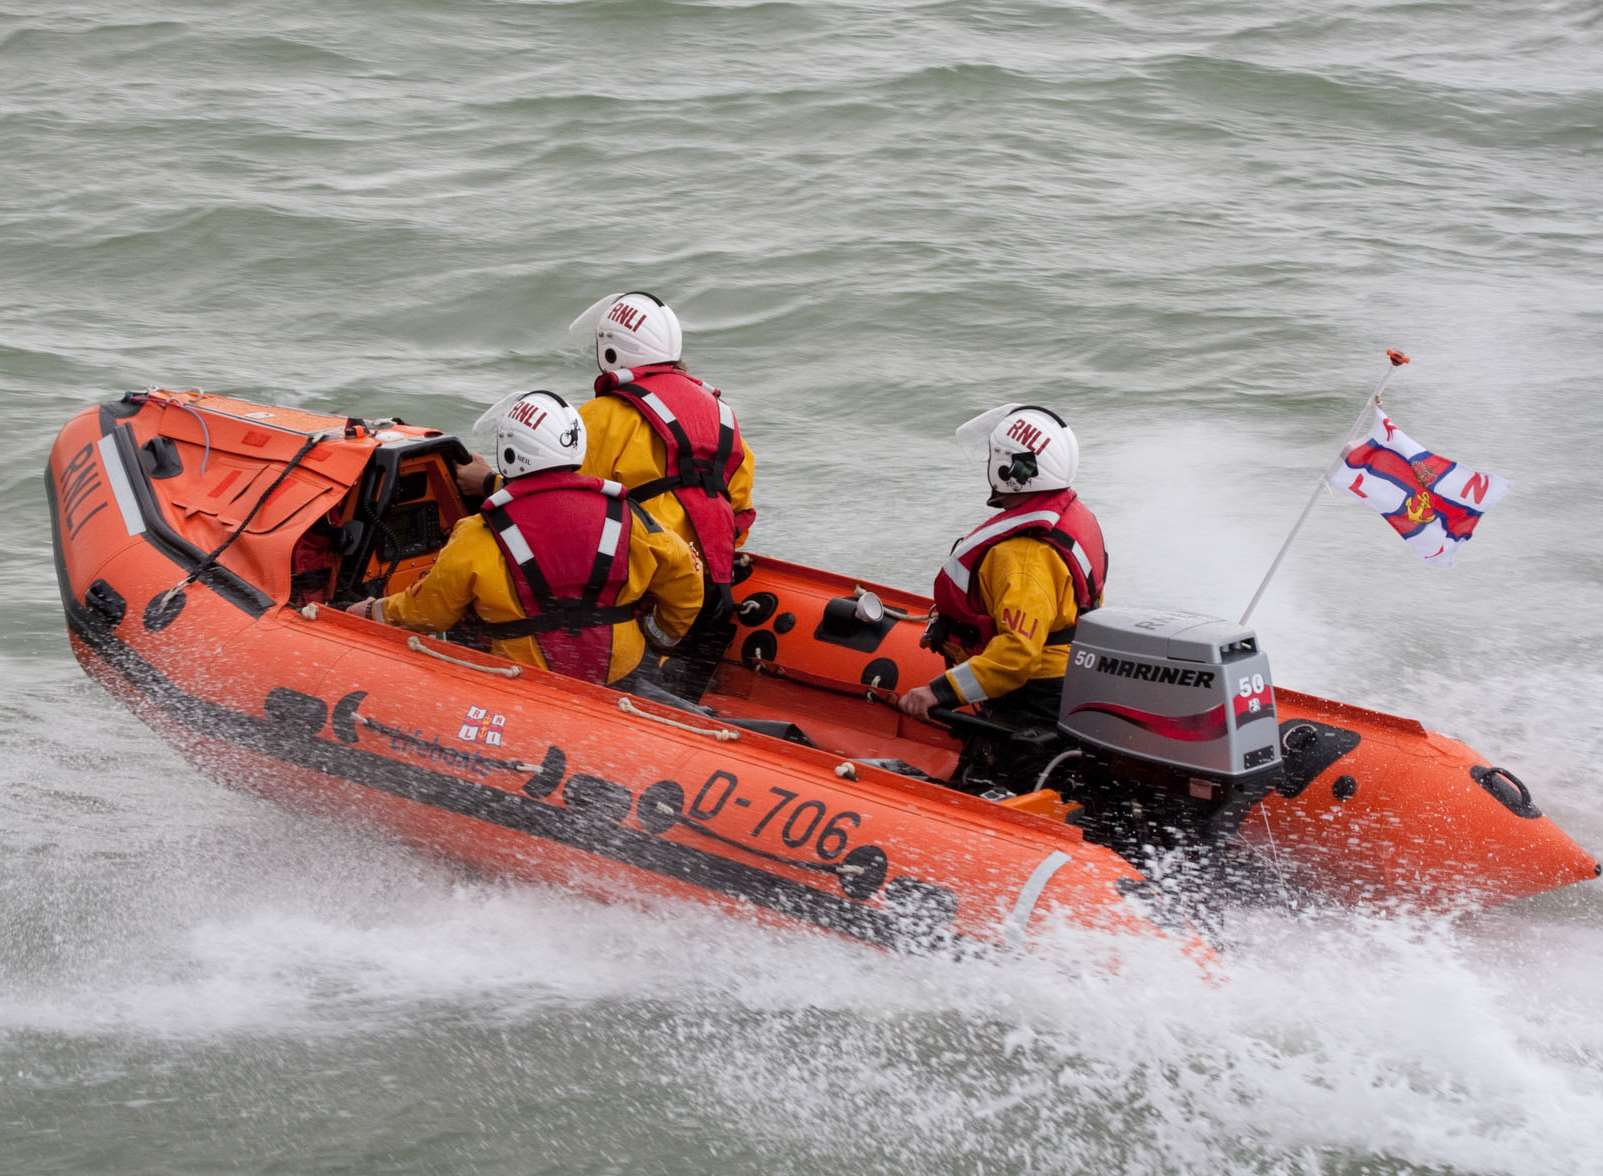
(568, 537)
(701, 439)
(1057, 517)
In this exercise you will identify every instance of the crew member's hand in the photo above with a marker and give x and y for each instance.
(917, 702)
(471, 479)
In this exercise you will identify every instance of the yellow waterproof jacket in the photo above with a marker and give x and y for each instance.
(621, 447)
(471, 572)
(1027, 590)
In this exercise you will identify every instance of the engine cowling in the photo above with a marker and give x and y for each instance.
(1185, 691)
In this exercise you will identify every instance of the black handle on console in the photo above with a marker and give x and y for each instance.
(958, 719)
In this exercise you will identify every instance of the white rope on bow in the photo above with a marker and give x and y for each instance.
(722, 734)
(417, 646)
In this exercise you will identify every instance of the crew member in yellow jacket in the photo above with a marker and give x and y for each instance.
(623, 447)
(1009, 594)
(566, 573)
(674, 443)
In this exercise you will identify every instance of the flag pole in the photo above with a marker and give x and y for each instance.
(1394, 360)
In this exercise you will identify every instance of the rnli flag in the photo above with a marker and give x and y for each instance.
(1431, 501)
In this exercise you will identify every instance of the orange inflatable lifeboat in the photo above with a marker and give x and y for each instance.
(203, 545)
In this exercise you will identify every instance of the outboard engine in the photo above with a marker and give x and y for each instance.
(1175, 715)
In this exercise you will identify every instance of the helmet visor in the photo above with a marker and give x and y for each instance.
(483, 433)
(975, 433)
(582, 330)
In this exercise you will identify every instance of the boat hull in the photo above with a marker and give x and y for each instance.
(536, 776)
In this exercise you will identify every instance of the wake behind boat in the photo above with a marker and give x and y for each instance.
(203, 546)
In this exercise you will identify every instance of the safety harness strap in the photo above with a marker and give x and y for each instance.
(1074, 555)
(689, 472)
(726, 446)
(606, 552)
(523, 554)
(695, 477)
(555, 612)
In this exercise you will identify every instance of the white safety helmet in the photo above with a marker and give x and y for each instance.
(1028, 448)
(632, 330)
(537, 431)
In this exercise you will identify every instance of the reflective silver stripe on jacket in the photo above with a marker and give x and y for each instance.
(1085, 567)
(654, 631)
(658, 407)
(516, 544)
(954, 568)
(968, 686)
(611, 532)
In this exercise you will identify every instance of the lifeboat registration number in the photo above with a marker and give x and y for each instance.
(797, 824)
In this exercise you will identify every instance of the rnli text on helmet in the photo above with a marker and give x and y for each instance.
(627, 316)
(526, 412)
(1029, 436)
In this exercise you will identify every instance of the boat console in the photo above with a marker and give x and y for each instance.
(384, 535)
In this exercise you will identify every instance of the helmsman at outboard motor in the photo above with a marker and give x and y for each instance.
(565, 571)
(1009, 594)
